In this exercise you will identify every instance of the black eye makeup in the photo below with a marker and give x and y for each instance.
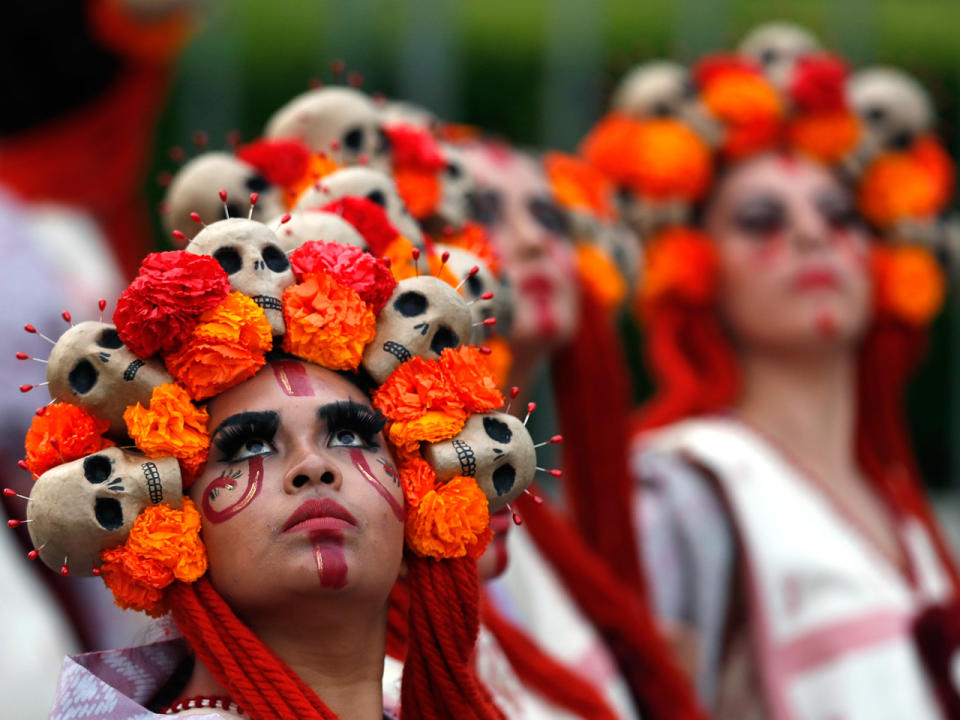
(351, 424)
(760, 216)
(549, 215)
(838, 210)
(246, 435)
(486, 206)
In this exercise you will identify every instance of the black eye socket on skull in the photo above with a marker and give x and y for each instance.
(229, 259)
(383, 142)
(97, 468)
(353, 139)
(875, 115)
(257, 183)
(475, 285)
(503, 478)
(453, 170)
(411, 304)
(768, 57)
(234, 210)
(444, 338)
(662, 109)
(109, 513)
(497, 430)
(83, 377)
(275, 258)
(377, 196)
(109, 339)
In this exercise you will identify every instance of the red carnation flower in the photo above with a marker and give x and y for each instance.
(281, 162)
(368, 218)
(718, 64)
(818, 83)
(413, 147)
(368, 276)
(162, 305)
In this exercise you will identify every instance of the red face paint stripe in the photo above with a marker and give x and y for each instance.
(331, 563)
(292, 378)
(360, 463)
(254, 485)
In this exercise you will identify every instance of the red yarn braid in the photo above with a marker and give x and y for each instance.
(592, 390)
(439, 681)
(257, 680)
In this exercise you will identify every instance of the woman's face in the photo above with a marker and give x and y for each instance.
(794, 258)
(530, 234)
(299, 496)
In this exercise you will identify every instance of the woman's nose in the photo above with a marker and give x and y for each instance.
(312, 466)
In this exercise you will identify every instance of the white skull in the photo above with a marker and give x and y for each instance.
(401, 112)
(493, 448)
(342, 116)
(776, 46)
(376, 186)
(307, 225)
(460, 263)
(422, 318)
(248, 252)
(89, 366)
(196, 186)
(81, 508)
(456, 184)
(893, 107)
(659, 88)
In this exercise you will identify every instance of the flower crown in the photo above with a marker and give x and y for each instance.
(197, 322)
(670, 129)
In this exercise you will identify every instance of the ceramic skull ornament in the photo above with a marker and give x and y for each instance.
(423, 316)
(372, 184)
(195, 188)
(81, 508)
(775, 47)
(248, 252)
(307, 225)
(401, 112)
(456, 184)
(893, 107)
(340, 117)
(493, 448)
(89, 366)
(475, 286)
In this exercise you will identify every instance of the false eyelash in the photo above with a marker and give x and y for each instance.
(364, 421)
(246, 426)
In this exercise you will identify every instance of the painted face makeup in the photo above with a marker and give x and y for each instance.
(360, 463)
(292, 378)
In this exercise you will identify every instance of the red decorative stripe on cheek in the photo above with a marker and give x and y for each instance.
(254, 485)
(292, 378)
(360, 463)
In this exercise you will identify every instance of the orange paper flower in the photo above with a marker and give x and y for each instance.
(432, 426)
(499, 359)
(419, 188)
(417, 478)
(415, 388)
(327, 322)
(682, 265)
(908, 284)
(748, 107)
(914, 184)
(319, 166)
(473, 237)
(450, 522)
(600, 277)
(61, 433)
(171, 426)
(578, 186)
(224, 349)
(164, 545)
(471, 379)
(826, 136)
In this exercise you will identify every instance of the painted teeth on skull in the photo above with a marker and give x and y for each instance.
(131, 372)
(467, 458)
(268, 303)
(397, 350)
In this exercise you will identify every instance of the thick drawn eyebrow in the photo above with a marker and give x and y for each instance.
(266, 422)
(353, 415)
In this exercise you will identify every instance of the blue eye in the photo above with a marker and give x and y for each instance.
(346, 438)
(252, 448)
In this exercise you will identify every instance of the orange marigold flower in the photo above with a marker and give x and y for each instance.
(499, 359)
(681, 265)
(749, 108)
(432, 426)
(471, 378)
(419, 188)
(319, 166)
(826, 136)
(659, 159)
(61, 433)
(917, 183)
(474, 238)
(164, 545)
(416, 387)
(417, 478)
(450, 522)
(600, 277)
(224, 349)
(172, 426)
(908, 283)
(327, 322)
(578, 186)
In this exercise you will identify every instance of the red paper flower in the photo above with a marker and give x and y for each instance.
(368, 276)
(818, 83)
(412, 147)
(368, 218)
(162, 305)
(282, 162)
(62, 433)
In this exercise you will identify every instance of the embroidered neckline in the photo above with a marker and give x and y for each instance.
(222, 702)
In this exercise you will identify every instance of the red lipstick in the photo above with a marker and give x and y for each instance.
(816, 279)
(318, 515)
